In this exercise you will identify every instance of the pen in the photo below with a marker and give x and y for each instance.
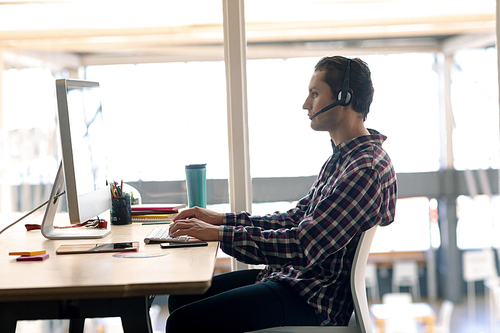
(152, 223)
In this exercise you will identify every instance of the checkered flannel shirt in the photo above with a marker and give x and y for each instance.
(311, 246)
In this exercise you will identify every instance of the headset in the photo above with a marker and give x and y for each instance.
(344, 97)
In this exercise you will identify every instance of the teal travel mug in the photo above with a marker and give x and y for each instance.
(196, 185)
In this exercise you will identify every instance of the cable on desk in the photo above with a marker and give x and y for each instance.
(31, 212)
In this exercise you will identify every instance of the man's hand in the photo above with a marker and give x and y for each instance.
(195, 228)
(202, 214)
(197, 222)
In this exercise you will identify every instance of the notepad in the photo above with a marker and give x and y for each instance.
(27, 253)
(37, 257)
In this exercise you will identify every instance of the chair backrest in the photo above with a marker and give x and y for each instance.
(405, 272)
(358, 287)
(479, 265)
(444, 318)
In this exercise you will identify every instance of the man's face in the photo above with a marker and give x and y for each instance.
(319, 96)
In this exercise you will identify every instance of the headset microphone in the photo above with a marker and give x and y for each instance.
(326, 108)
(344, 97)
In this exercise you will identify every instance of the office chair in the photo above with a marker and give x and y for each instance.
(405, 274)
(362, 322)
(478, 265)
(444, 317)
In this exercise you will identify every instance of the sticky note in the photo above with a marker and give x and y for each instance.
(27, 253)
(37, 257)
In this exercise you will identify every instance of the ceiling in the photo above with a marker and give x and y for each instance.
(71, 33)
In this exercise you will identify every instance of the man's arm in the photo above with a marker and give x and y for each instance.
(353, 206)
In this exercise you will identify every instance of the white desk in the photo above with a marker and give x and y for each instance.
(78, 286)
(422, 312)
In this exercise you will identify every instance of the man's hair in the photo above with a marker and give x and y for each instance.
(360, 82)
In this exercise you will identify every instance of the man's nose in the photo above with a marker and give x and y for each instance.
(305, 106)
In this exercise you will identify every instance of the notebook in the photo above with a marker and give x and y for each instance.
(154, 212)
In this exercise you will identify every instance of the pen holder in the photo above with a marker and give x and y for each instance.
(196, 185)
(121, 212)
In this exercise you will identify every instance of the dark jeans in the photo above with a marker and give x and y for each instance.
(235, 303)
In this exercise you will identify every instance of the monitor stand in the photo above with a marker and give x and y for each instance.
(48, 230)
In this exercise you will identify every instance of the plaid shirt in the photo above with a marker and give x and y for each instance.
(311, 246)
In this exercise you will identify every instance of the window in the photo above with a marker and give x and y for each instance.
(475, 109)
(405, 108)
(410, 230)
(283, 145)
(478, 222)
(163, 117)
(281, 142)
(30, 155)
(475, 142)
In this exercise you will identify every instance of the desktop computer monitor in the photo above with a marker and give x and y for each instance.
(82, 172)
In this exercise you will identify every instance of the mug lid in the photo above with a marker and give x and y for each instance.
(196, 166)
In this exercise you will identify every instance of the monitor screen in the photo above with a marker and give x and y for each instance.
(83, 138)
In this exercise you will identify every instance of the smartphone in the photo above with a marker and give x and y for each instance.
(96, 248)
(172, 245)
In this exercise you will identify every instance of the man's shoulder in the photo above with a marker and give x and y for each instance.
(369, 155)
(368, 152)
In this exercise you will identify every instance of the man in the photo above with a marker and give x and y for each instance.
(309, 249)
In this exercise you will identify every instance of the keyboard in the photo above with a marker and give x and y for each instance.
(160, 235)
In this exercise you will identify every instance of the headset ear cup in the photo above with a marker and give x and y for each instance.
(347, 98)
